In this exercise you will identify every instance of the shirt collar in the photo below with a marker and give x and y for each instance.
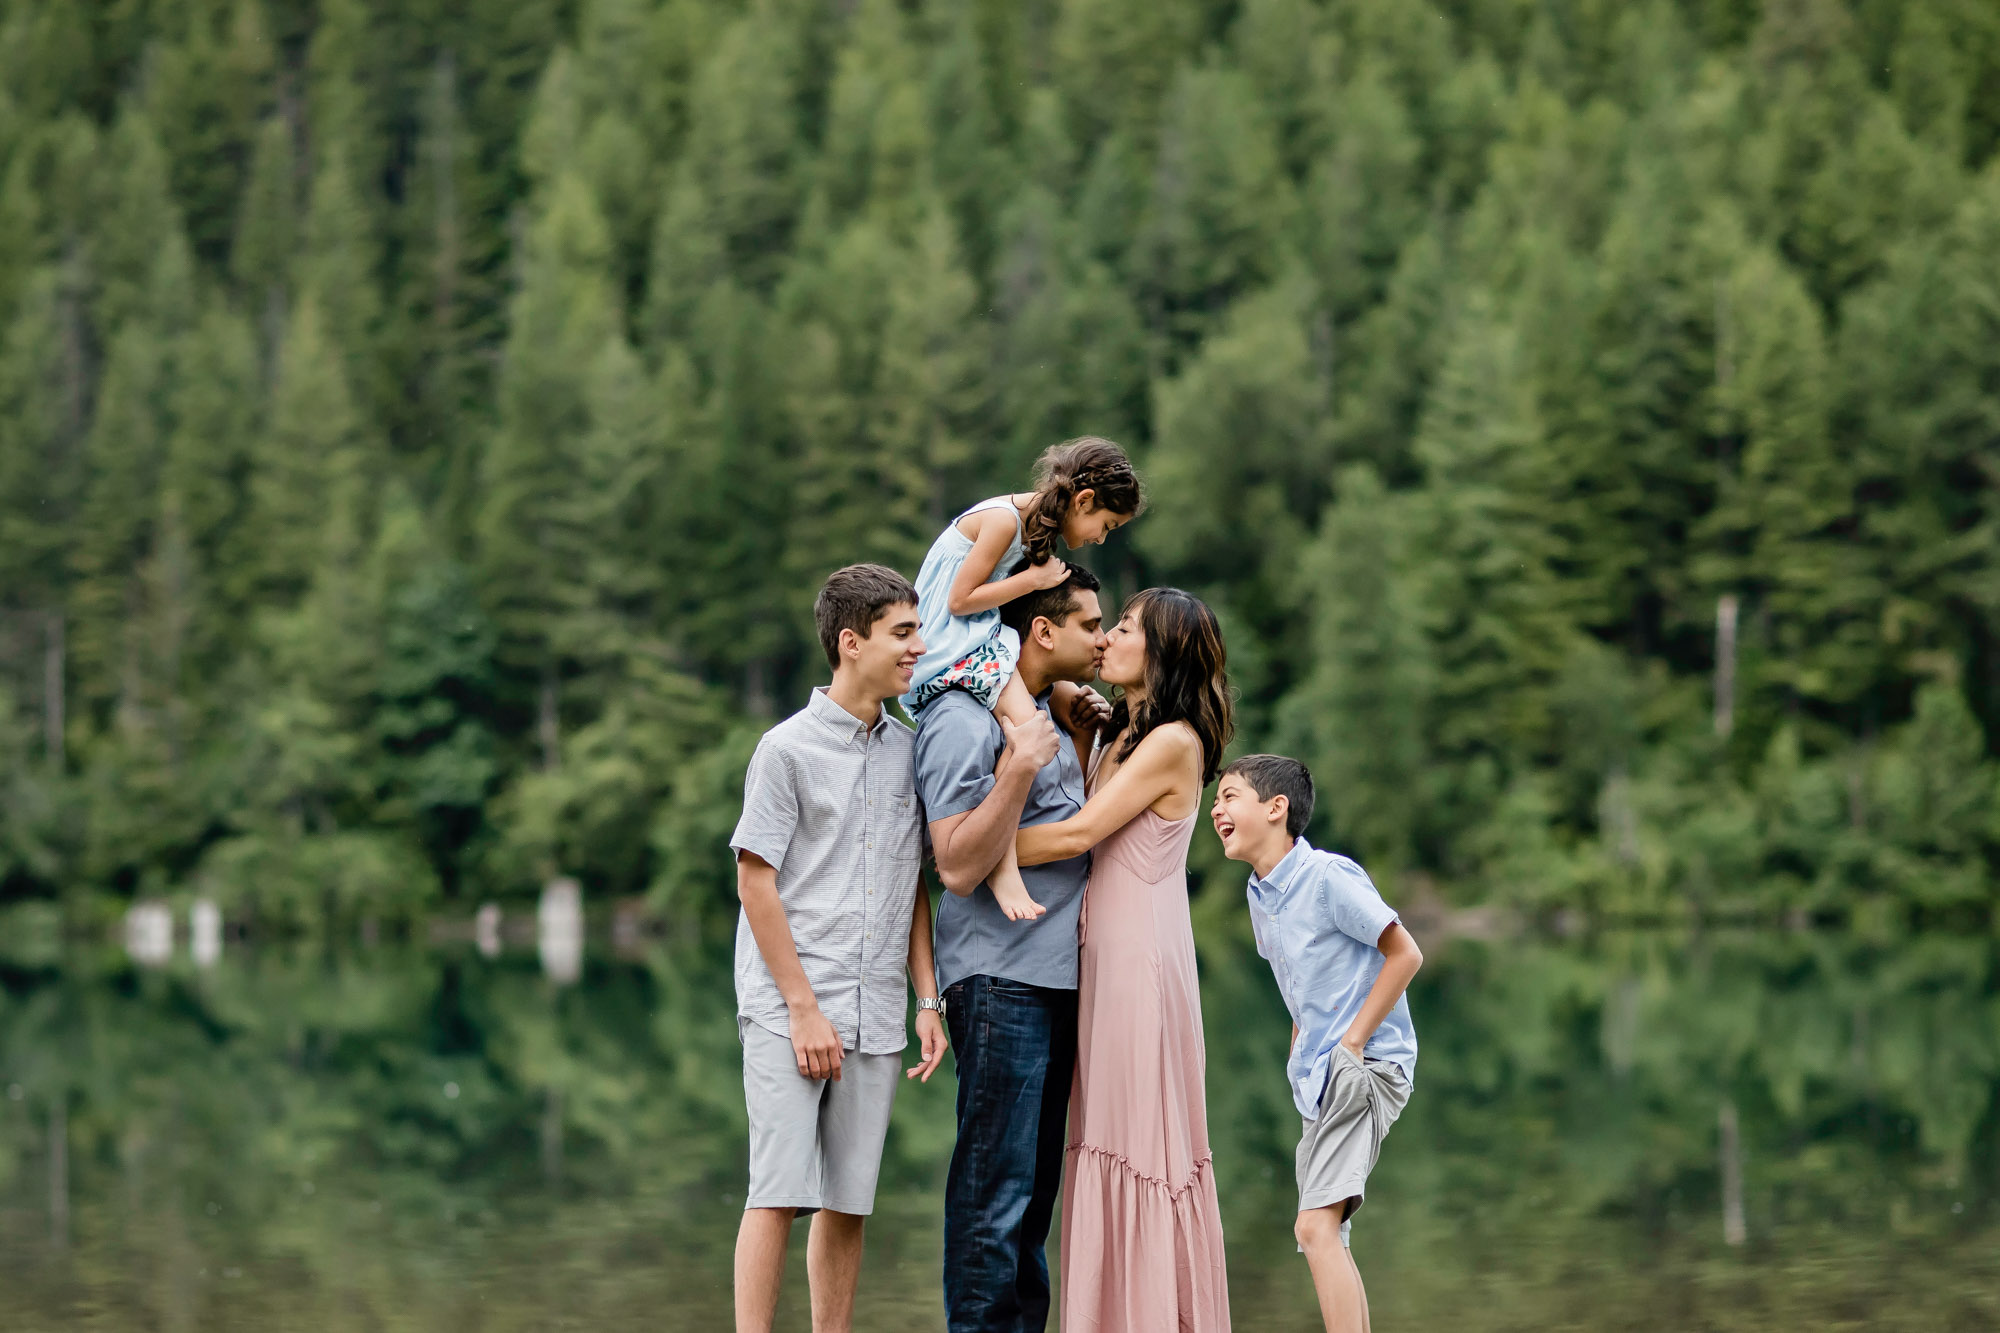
(843, 724)
(1282, 873)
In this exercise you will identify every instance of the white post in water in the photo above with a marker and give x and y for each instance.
(1733, 1230)
(205, 932)
(559, 930)
(149, 933)
(1725, 664)
(486, 930)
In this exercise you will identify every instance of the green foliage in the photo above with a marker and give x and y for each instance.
(423, 427)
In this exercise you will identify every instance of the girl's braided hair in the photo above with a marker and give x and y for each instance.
(1087, 463)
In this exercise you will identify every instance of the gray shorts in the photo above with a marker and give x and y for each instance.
(814, 1143)
(1338, 1150)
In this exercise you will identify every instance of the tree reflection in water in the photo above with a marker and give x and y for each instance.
(402, 1139)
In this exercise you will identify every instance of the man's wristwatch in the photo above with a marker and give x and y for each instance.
(937, 1004)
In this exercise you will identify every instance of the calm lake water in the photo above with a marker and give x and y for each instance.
(1631, 1131)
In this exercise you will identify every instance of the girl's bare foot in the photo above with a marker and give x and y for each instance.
(1012, 894)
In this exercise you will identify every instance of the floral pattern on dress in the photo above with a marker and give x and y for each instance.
(982, 673)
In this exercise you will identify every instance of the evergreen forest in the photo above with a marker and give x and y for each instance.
(424, 423)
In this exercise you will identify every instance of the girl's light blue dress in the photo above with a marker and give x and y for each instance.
(975, 652)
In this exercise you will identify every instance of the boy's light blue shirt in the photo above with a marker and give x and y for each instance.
(1317, 918)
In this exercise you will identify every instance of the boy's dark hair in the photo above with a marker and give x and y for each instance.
(1056, 604)
(851, 598)
(1272, 775)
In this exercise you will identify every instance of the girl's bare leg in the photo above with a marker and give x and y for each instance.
(1014, 706)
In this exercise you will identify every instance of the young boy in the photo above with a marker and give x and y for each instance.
(827, 858)
(1343, 961)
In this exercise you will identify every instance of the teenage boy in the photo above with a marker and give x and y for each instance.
(1343, 960)
(827, 858)
(1009, 986)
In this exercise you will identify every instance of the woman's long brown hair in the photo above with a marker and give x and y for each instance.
(1187, 679)
(1088, 463)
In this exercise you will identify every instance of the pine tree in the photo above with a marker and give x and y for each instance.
(267, 230)
(856, 492)
(1365, 196)
(1114, 60)
(436, 688)
(1359, 717)
(313, 452)
(932, 389)
(1071, 347)
(1220, 205)
(1793, 500)
(431, 321)
(742, 142)
(48, 202)
(206, 474)
(1916, 373)
(1242, 447)
(533, 535)
(337, 263)
(879, 146)
(42, 427)
(971, 165)
(1291, 56)
(1486, 572)
(116, 522)
(139, 255)
(1384, 362)
(208, 93)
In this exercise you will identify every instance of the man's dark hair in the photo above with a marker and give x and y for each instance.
(851, 598)
(1272, 775)
(1056, 605)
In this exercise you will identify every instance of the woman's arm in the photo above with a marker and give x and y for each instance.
(1159, 766)
(970, 591)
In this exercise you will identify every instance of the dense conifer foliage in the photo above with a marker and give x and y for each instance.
(423, 425)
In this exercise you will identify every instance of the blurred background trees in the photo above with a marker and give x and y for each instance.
(423, 425)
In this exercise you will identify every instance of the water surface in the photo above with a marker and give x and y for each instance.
(1634, 1131)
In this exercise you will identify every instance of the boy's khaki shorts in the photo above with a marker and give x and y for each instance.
(814, 1143)
(1338, 1150)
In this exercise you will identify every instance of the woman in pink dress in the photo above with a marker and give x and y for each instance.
(1141, 1229)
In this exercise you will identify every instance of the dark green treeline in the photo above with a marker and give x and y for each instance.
(423, 425)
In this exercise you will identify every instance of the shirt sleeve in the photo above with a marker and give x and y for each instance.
(955, 756)
(770, 806)
(1354, 907)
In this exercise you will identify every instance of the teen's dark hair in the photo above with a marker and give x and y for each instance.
(1271, 775)
(1087, 463)
(851, 598)
(1186, 676)
(1056, 604)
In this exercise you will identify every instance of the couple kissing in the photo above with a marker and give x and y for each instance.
(1077, 1032)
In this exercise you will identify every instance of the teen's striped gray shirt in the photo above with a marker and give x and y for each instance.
(831, 803)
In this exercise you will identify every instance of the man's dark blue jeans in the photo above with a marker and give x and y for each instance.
(1016, 1049)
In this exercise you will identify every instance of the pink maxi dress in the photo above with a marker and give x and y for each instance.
(1141, 1228)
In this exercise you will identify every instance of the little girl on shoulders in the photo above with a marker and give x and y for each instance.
(1000, 549)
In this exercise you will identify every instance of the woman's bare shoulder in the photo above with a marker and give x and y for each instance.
(1170, 742)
